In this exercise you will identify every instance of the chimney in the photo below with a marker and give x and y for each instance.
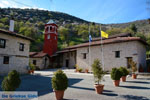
(11, 27)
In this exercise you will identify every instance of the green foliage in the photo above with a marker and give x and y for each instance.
(32, 66)
(113, 31)
(97, 71)
(80, 69)
(116, 74)
(11, 82)
(59, 80)
(30, 22)
(140, 35)
(133, 66)
(124, 71)
(133, 28)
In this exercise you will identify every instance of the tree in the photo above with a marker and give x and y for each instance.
(113, 31)
(11, 82)
(133, 28)
(64, 35)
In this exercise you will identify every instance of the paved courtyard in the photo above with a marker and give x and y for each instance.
(81, 87)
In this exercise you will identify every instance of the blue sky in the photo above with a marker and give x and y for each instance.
(100, 11)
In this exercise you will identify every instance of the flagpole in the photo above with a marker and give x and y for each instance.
(89, 49)
(102, 49)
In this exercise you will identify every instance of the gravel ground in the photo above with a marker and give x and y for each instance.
(81, 87)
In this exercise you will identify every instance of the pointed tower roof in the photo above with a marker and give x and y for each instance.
(51, 22)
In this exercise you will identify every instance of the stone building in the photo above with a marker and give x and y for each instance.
(117, 51)
(39, 59)
(14, 52)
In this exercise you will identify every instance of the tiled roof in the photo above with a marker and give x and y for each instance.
(37, 54)
(108, 41)
(15, 34)
(66, 50)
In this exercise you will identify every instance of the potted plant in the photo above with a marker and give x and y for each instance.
(86, 70)
(11, 82)
(116, 75)
(31, 68)
(98, 75)
(76, 68)
(80, 70)
(124, 72)
(134, 69)
(59, 84)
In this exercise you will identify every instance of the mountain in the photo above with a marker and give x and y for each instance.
(143, 26)
(72, 30)
(35, 15)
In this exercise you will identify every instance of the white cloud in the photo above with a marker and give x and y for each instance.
(4, 4)
(11, 4)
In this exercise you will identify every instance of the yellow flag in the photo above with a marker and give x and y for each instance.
(104, 34)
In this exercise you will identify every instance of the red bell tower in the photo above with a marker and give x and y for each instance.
(50, 38)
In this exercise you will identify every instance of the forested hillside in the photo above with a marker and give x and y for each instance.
(72, 30)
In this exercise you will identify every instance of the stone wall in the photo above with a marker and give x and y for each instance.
(18, 60)
(133, 49)
(40, 62)
(71, 57)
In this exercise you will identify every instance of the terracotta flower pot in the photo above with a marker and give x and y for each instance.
(99, 88)
(134, 76)
(116, 82)
(59, 94)
(32, 71)
(29, 71)
(123, 78)
(86, 71)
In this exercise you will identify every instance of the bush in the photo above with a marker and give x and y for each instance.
(116, 74)
(76, 66)
(32, 66)
(97, 70)
(133, 66)
(80, 69)
(59, 80)
(124, 71)
(11, 82)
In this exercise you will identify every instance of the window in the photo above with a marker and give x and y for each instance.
(117, 54)
(50, 28)
(2, 43)
(84, 55)
(34, 62)
(48, 36)
(47, 29)
(21, 47)
(6, 60)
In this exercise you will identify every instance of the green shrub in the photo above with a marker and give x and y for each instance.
(59, 80)
(97, 71)
(133, 66)
(124, 71)
(76, 66)
(32, 66)
(116, 74)
(80, 69)
(11, 82)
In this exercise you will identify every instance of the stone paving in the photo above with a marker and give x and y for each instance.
(81, 87)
